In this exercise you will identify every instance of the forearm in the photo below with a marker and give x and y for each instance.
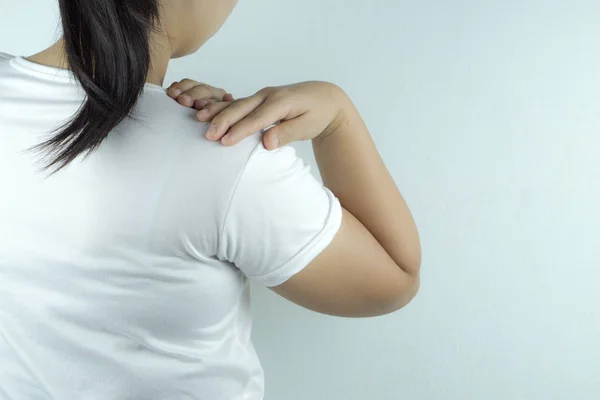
(353, 170)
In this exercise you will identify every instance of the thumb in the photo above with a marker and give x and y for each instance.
(283, 133)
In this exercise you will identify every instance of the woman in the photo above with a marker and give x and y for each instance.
(126, 237)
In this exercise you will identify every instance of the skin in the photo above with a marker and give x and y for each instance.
(372, 266)
(184, 26)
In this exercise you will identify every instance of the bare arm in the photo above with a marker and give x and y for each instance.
(353, 170)
(371, 266)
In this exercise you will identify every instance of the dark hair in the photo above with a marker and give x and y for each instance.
(107, 48)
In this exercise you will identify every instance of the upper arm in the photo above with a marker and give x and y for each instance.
(285, 230)
(352, 277)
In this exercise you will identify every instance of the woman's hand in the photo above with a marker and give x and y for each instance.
(301, 111)
(195, 94)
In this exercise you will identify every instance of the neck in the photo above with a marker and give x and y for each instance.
(55, 56)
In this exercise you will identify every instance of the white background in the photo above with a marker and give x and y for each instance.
(487, 115)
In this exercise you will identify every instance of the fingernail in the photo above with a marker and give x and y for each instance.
(202, 103)
(212, 130)
(202, 114)
(185, 99)
(176, 92)
(275, 142)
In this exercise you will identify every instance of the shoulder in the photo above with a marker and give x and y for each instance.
(173, 132)
(272, 168)
(177, 125)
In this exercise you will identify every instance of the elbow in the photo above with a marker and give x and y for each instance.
(408, 294)
(411, 282)
(412, 262)
(400, 297)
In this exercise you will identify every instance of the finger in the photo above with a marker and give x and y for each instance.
(185, 84)
(211, 110)
(178, 87)
(196, 90)
(287, 132)
(173, 91)
(228, 97)
(200, 104)
(261, 118)
(185, 100)
(201, 92)
(233, 114)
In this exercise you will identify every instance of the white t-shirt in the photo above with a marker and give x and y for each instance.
(124, 275)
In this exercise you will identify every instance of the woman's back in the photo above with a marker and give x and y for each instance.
(117, 274)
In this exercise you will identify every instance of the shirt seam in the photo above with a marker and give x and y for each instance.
(234, 192)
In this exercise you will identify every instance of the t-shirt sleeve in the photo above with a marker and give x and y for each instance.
(280, 217)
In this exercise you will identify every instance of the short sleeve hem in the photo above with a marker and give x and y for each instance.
(309, 252)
